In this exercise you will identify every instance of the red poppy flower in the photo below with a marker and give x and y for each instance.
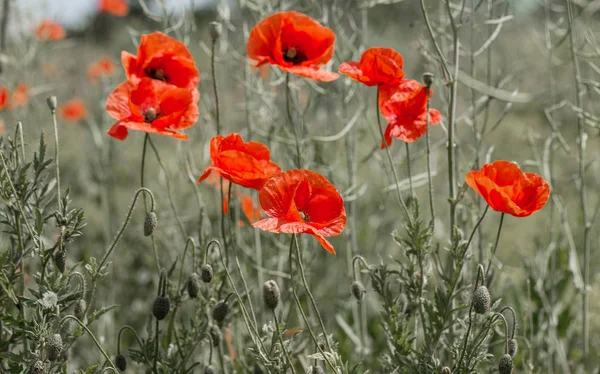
(20, 96)
(118, 8)
(49, 30)
(247, 164)
(3, 97)
(377, 66)
(162, 58)
(295, 42)
(302, 202)
(153, 107)
(103, 67)
(404, 105)
(509, 190)
(73, 110)
(251, 212)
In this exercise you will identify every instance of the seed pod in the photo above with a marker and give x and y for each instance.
(215, 335)
(161, 307)
(482, 300)
(52, 103)
(79, 309)
(209, 370)
(121, 362)
(53, 347)
(358, 290)
(220, 311)
(150, 223)
(38, 368)
(428, 79)
(271, 294)
(60, 260)
(206, 273)
(193, 285)
(505, 365)
(446, 370)
(216, 29)
(513, 347)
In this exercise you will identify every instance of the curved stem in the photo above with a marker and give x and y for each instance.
(361, 259)
(142, 170)
(81, 282)
(514, 316)
(214, 82)
(487, 272)
(56, 154)
(83, 326)
(137, 338)
(283, 348)
(476, 226)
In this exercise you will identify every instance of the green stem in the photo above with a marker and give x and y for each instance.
(137, 338)
(288, 108)
(142, 170)
(56, 153)
(83, 326)
(412, 190)
(283, 348)
(487, 272)
(428, 144)
(214, 82)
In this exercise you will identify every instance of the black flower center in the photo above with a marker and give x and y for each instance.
(294, 56)
(155, 73)
(150, 115)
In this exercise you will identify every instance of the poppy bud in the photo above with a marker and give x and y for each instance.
(209, 370)
(215, 335)
(161, 307)
(206, 273)
(53, 347)
(481, 300)
(428, 79)
(121, 362)
(505, 365)
(220, 311)
(150, 223)
(60, 260)
(513, 347)
(79, 309)
(446, 370)
(38, 368)
(271, 294)
(317, 370)
(358, 290)
(52, 103)
(193, 285)
(216, 29)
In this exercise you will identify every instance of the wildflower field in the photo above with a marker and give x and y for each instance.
(300, 186)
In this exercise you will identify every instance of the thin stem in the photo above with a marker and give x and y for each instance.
(3, 28)
(389, 154)
(156, 335)
(137, 338)
(428, 145)
(221, 359)
(214, 83)
(283, 348)
(288, 108)
(83, 326)
(487, 272)
(142, 170)
(476, 226)
(412, 190)
(56, 153)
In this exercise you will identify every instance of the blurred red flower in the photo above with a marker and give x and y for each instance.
(49, 30)
(153, 107)
(20, 96)
(118, 8)
(509, 190)
(73, 110)
(295, 42)
(104, 67)
(4, 94)
(251, 211)
(377, 66)
(247, 164)
(404, 105)
(301, 201)
(161, 58)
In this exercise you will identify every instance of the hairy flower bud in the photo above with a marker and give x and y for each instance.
(445, 370)
(216, 29)
(38, 368)
(53, 347)
(209, 370)
(215, 335)
(206, 273)
(193, 285)
(161, 307)
(271, 294)
(513, 347)
(79, 309)
(481, 300)
(358, 290)
(52, 103)
(121, 362)
(505, 366)
(220, 311)
(428, 79)
(150, 223)
(60, 260)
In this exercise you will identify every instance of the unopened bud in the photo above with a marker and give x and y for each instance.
(52, 103)
(513, 347)
(38, 368)
(193, 285)
(358, 290)
(216, 29)
(121, 362)
(206, 273)
(271, 294)
(220, 311)
(79, 309)
(209, 370)
(505, 366)
(481, 300)
(60, 260)
(445, 370)
(161, 307)
(53, 347)
(428, 79)
(150, 223)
